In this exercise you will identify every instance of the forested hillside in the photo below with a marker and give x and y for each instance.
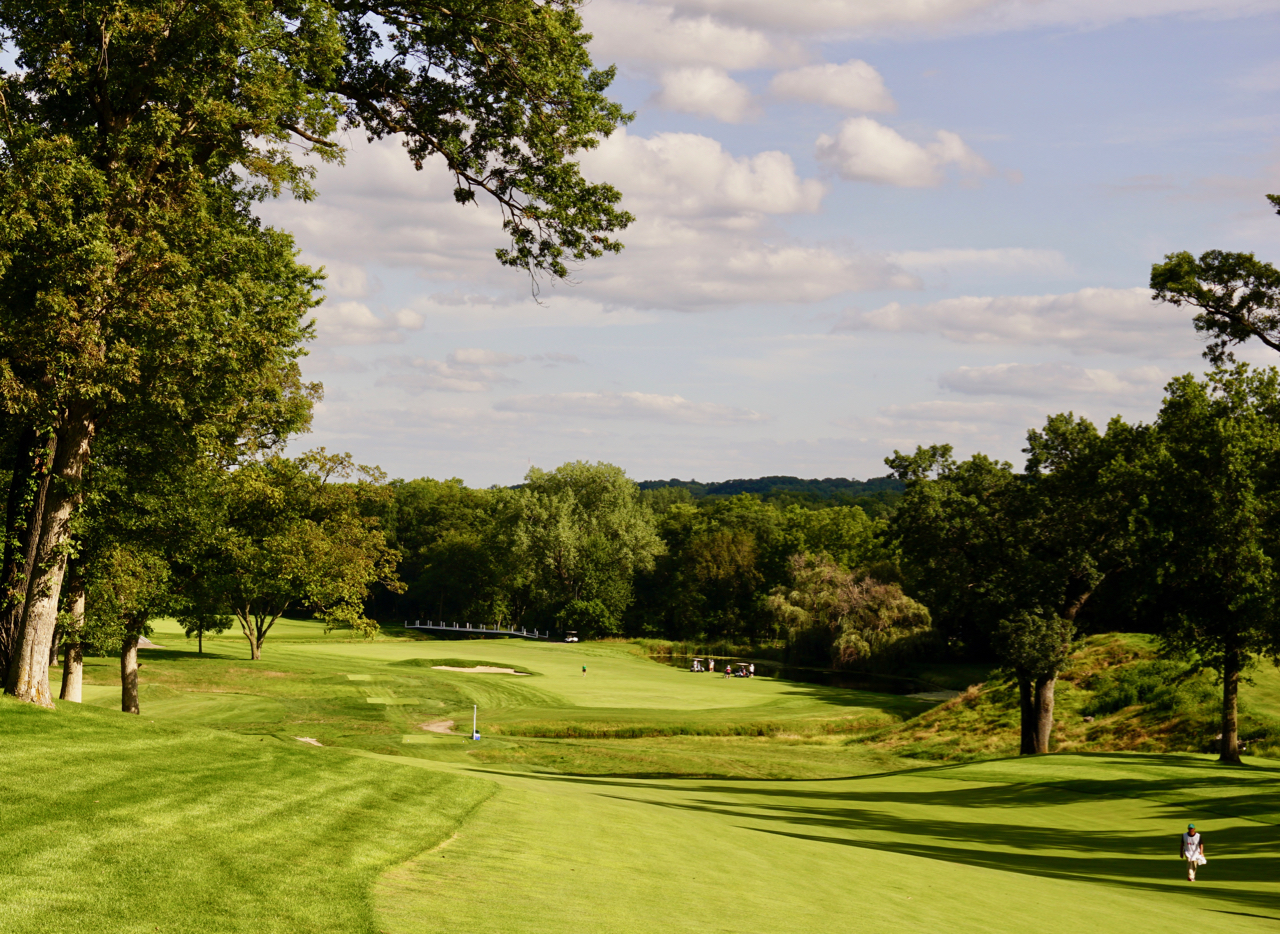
(876, 496)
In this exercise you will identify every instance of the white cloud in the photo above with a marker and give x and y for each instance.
(629, 405)
(640, 33)
(475, 356)
(698, 240)
(855, 85)
(418, 375)
(999, 259)
(346, 280)
(867, 151)
(681, 267)
(1122, 321)
(691, 176)
(1046, 380)
(339, 323)
(553, 359)
(701, 239)
(968, 416)
(561, 307)
(707, 92)
(1263, 78)
(831, 19)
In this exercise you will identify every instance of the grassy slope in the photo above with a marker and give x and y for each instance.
(117, 824)
(1064, 843)
(984, 722)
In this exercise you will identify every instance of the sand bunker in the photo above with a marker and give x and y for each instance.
(308, 739)
(440, 726)
(482, 669)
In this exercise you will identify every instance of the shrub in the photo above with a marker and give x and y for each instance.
(1163, 686)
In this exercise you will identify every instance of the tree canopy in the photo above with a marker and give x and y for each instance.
(137, 287)
(1004, 560)
(1238, 296)
(1211, 521)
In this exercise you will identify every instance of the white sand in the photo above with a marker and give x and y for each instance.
(482, 669)
(440, 726)
(308, 739)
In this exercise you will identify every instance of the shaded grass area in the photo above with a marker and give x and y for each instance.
(119, 824)
(1055, 844)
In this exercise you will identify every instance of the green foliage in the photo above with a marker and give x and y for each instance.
(1237, 295)
(291, 536)
(1212, 513)
(1163, 686)
(591, 619)
(199, 624)
(455, 552)
(658, 561)
(847, 620)
(581, 534)
(128, 587)
(140, 296)
(1211, 519)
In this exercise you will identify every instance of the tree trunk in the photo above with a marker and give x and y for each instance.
(1028, 719)
(200, 640)
(54, 644)
(29, 673)
(1045, 685)
(1231, 665)
(129, 674)
(73, 665)
(72, 674)
(255, 649)
(27, 489)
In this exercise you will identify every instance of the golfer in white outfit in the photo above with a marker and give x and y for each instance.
(1192, 850)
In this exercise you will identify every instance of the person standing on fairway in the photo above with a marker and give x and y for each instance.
(584, 671)
(1192, 850)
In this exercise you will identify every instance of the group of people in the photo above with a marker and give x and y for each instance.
(741, 670)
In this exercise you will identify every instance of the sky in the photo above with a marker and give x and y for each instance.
(861, 225)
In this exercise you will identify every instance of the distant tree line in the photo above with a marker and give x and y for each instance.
(876, 496)
(585, 548)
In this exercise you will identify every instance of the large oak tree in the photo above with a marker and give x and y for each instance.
(1005, 560)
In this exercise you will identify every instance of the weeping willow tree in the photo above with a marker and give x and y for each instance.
(855, 620)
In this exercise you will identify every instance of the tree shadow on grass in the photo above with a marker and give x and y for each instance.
(853, 813)
(1114, 858)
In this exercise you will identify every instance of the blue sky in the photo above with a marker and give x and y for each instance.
(862, 226)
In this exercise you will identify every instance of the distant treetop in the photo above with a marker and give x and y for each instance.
(831, 491)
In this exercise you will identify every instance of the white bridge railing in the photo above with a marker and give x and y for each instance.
(468, 627)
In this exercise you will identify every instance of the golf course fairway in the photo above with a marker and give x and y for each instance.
(633, 798)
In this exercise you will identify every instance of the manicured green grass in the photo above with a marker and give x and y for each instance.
(115, 823)
(206, 813)
(1056, 844)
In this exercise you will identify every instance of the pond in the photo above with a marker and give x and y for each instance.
(850, 680)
